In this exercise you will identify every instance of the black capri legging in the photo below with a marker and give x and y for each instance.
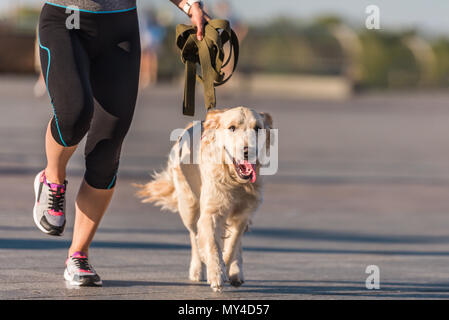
(92, 76)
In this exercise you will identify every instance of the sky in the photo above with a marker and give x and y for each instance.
(429, 15)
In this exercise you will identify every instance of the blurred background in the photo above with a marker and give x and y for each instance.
(363, 154)
(301, 46)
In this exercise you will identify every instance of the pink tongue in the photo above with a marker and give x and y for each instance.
(249, 168)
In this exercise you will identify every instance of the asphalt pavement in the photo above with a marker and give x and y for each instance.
(361, 182)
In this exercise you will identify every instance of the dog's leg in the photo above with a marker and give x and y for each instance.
(196, 271)
(232, 253)
(189, 211)
(189, 216)
(210, 231)
(235, 269)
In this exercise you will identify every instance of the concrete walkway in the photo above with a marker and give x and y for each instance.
(361, 182)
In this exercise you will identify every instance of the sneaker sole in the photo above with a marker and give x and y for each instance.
(36, 220)
(86, 283)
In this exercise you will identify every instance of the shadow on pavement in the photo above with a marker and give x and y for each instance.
(42, 244)
(348, 288)
(283, 234)
(324, 235)
(140, 283)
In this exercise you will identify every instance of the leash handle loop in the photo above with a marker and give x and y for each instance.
(209, 54)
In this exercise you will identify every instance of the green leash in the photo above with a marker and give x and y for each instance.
(209, 54)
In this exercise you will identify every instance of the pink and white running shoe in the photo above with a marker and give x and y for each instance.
(49, 206)
(79, 272)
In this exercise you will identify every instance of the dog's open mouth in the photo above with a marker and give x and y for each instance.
(245, 170)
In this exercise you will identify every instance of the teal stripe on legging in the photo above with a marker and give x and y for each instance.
(90, 11)
(48, 90)
(112, 182)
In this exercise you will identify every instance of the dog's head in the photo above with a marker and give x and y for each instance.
(235, 133)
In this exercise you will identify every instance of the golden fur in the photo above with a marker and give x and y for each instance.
(214, 203)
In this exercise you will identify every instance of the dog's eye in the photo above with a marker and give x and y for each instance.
(232, 128)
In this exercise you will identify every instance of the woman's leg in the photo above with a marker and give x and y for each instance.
(91, 205)
(57, 158)
(65, 65)
(114, 80)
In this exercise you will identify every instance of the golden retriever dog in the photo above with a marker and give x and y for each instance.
(218, 193)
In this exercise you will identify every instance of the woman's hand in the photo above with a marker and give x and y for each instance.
(196, 14)
(198, 18)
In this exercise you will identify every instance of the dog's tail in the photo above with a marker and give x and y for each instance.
(160, 191)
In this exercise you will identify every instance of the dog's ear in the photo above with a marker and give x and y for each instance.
(212, 119)
(211, 123)
(267, 120)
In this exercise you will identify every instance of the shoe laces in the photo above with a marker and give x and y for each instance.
(56, 199)
(81, 263)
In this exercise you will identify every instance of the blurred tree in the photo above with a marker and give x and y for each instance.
(441, 50)
(325, 46)
(328, 20)
(26, 18)
(386, 61)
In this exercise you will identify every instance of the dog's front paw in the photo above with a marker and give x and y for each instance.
(235, 273)
(216, 277)
(235, 280)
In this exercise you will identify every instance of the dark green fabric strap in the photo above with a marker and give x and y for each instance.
(209, 54)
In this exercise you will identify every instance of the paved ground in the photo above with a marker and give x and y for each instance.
(360, 182)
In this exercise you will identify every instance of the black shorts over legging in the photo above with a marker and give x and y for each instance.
(92, 76)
